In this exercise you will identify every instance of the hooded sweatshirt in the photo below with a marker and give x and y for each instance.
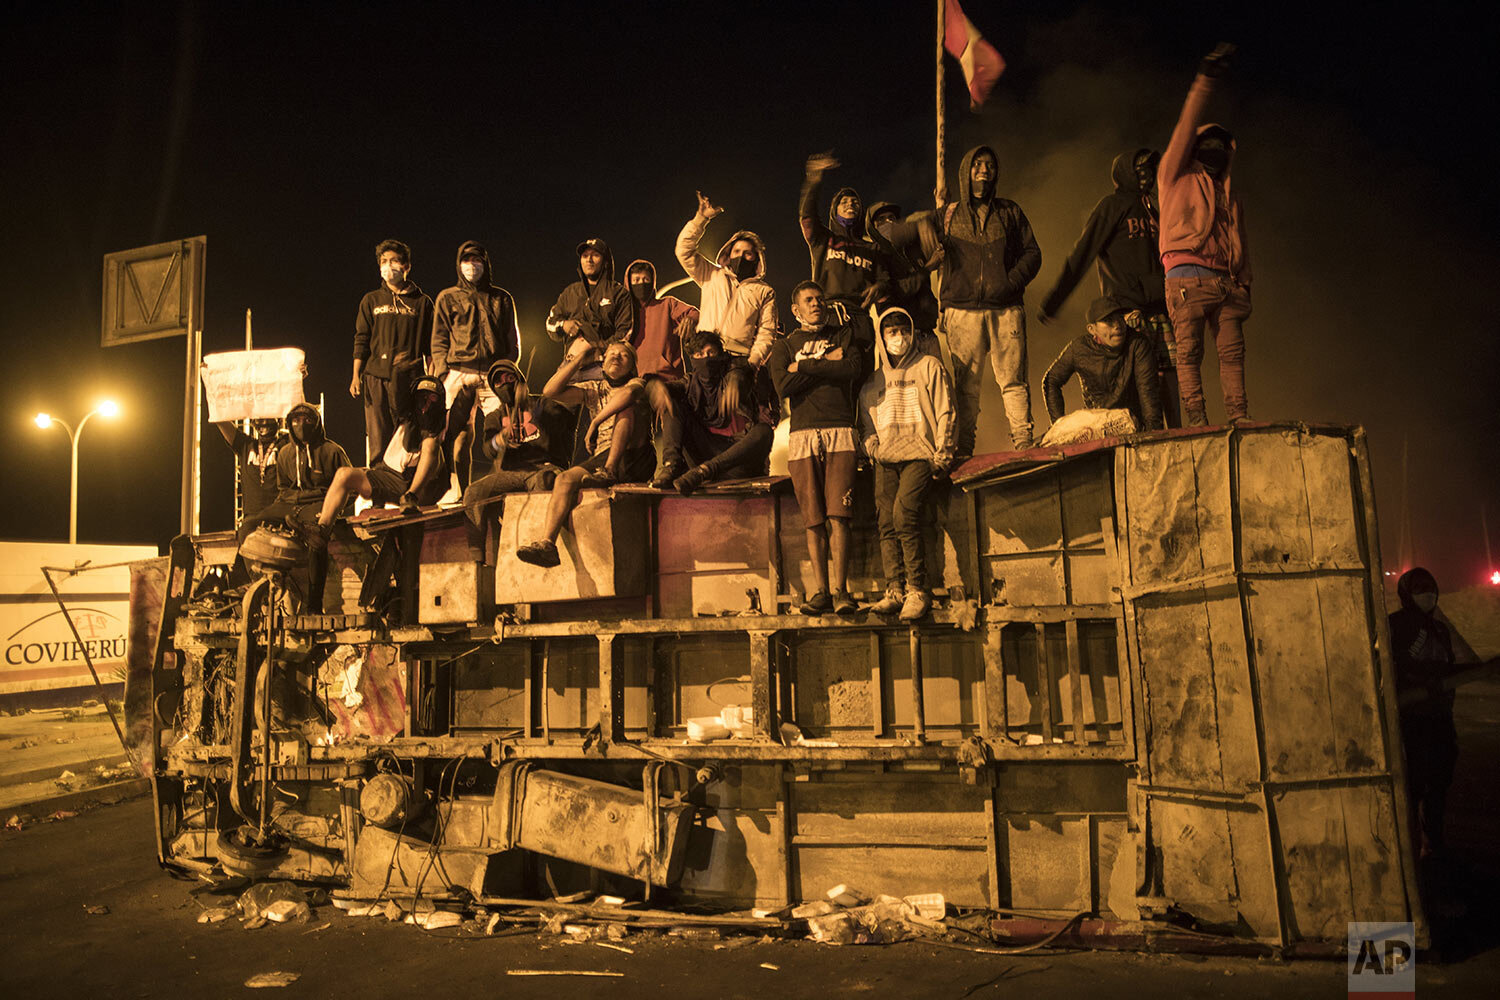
(988, 257)
(1122, 233)
(602, 309)
(743, 313)
(1202, 221)
(906, 407)
(474, 322)
(526, 436)
(304, 469)
(705, 389)
(658, 348)
(844, 261)
(1121, 377)
(1421, 645)
(391, 329)
(910, 284)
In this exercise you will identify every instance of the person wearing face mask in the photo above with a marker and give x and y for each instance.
(715, 419)
(390, 343)
(844, 261)
(473, 326)
(411, 471)
(528, 441)
(306, 467)
(909, 283)
(1204, 249)
(985, 255)
(596, 307)
(255, 455)
(618, 435)
(1121, 233)
(660, 323)
(907, 427)
(1422, 648)
(735, 299)
(818, 369)
(1116, 368)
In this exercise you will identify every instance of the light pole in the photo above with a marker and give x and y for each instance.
(108, 408)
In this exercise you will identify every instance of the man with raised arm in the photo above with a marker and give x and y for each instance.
(736, 301)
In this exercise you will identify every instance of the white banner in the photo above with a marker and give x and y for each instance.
(245, 385)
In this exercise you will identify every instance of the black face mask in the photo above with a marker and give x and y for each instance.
(643, 291)
(1214, 158)
(743, 267)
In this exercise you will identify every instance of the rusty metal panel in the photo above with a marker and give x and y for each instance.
(934, 810)
(687, 595)
(1296, 503)
(866, 571)
(1340, 856)
(1020, 516)
(1215, 862)
(832, 682)
(489, 688)
(961, 875)
(706, 533)
(705, 673)
(734, 857)
(952, 681)
(1178, 510)
(1087, 501)
(571, 694)
(1199, 707)
(1047, 862)
(952, 560)
(1314, 664)
(603, 549)
(149, 291)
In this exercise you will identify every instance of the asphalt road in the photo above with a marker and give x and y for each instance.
(149, 944)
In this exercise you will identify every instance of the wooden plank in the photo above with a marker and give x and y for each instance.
(992, 721)
(1075, 682)
(766, 724)
(877, 699)
(546, 692)
(918, 705)
(1043, 682)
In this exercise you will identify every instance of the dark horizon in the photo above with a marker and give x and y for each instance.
(296, 142)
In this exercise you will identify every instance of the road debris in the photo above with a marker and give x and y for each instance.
(614, 947)
(770, 965)
(564, 972)
(267, 979)
(95, 909)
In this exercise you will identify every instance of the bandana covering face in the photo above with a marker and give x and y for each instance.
(744, 267)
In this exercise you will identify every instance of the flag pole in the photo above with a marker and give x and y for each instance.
(940, 190)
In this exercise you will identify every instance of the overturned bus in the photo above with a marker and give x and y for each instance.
(1155, 687)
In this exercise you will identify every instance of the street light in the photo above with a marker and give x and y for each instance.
(108, 408)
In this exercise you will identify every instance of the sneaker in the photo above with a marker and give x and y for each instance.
(891, 603)
(818, 604)
(453, 498)
(409, 505)
(314, 536)
(664, 476)
(540, 553)
(602, 479)
(690, 480)
(916, 605)
(844, 603)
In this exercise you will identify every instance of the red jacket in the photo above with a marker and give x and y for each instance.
(658, 348)
(1202, 221)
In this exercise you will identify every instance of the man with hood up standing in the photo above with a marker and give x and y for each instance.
(1121, 233)
(988, 257)
(736, 301)
(910, 284)
(907, 426)
(1204, 249)
(596, 307)
(390, 343)
(473, 326)
(1116, 367)
(306, 467)
(660, 323)
(844, 261)
(1422, 647)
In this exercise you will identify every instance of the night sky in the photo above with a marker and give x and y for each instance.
(296, 137)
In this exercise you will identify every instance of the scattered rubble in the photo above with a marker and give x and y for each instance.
(268, 979)
(95, 909)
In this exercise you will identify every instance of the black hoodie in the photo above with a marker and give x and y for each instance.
(474, 323)
(391, 329)
(988, 257)
(1422, 647)
(305, 469)
(910, 284)
(1122, 233)
(844, 261)
(1121, 377)
(602, 309)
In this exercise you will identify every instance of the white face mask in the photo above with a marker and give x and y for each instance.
(392, 273)
(471, 270)
(1425, 601)
(896, 345)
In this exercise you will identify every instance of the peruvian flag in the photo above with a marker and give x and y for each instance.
(982, 65)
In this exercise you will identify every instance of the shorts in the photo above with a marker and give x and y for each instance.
(386, 484)
(457, 379)
(637, 466)
(821, 461)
